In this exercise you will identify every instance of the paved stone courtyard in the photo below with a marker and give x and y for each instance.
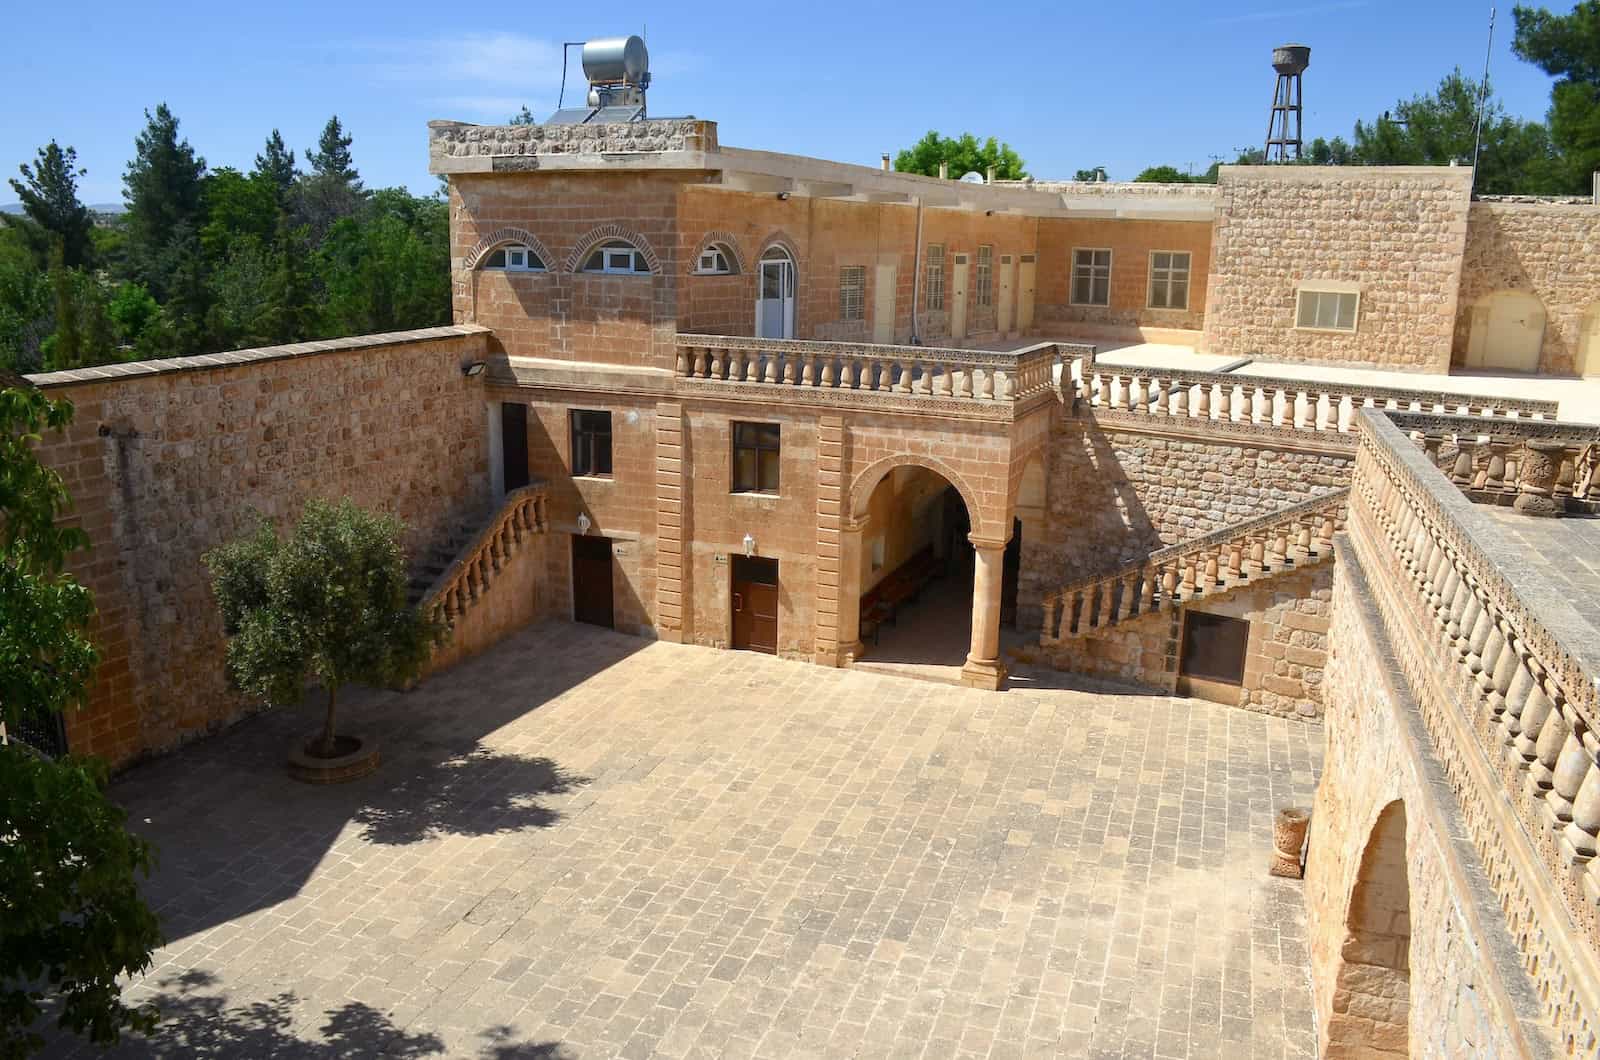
(586, 845)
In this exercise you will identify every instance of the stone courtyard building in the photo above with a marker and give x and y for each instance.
(1210, 441)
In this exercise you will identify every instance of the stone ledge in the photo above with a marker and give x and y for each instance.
(112, 372)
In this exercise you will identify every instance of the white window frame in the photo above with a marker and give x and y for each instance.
(509, 249)
(618, 258)
(715, 254)
(1324, 291)
(1165, 277)
(1072, 277)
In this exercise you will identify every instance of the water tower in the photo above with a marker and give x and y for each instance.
(1283, 126)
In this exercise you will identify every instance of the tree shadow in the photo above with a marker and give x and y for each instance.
(501, 1044)
(481, 792)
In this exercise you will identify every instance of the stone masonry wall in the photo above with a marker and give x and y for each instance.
(1548, 250)
(1131, 243)
(1468, 995)
(1396, 233)
(167, 459)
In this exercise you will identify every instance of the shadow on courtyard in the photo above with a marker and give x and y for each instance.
(197, 1020)
(234, 834)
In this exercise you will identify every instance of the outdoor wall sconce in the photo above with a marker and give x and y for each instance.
(783, 196)
(583, 524)
(472, 369)
(988, 213)
(749, 545)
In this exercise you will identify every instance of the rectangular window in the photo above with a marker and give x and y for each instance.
(935, 282)
(755, 458)
(591, 443)
(986, 275)
(1328, 310)
(1091, 277)
(853, 292)
(1214, 647)
(1169, 280)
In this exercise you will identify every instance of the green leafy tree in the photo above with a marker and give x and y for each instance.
(327, 602)
(238, 207)
(73, 921)
(24, 305)
(84, 335)
(51, 213)
(292, 288)
(389, 270)
(524, 117)
(163, 191)
(1166, 175)
(276, 166)
(1567, 47)
(133, 313)
(1090, 176)
(964, 154)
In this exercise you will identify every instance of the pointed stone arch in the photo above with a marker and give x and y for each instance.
(728, 242)
(502, 236)
(604, 234)
(1372, 993)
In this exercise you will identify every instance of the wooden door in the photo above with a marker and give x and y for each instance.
(1003, 314)
(958, 298)
(514, 444)
(755, 604)
(883, 293)
(591, 581)
(1025, 293)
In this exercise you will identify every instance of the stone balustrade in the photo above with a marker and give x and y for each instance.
(878, 375)
(524, 513)
(1504, 671)
(1224, 559)
(1298, 404)
(1539, 468)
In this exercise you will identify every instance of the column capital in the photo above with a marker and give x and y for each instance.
(981, 542)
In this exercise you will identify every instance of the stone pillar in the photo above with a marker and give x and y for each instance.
(673, 576)
(850, 534)
(983, 668)
(1538, 469)
(831, 501)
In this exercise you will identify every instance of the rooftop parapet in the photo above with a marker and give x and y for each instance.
(460, 147)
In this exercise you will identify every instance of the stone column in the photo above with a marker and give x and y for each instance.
(983, 668)
(1538, 469)
(850, 535)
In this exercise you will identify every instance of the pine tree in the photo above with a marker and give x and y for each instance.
(162, 187)
(276, 164)
(52, 216)
(331, 156)
(64, 348)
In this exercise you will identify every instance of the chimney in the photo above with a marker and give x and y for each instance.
(989, 175)
(886, 161)
(944, 170)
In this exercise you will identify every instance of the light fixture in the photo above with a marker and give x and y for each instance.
(749, 545)
(783, 196)
(472, 368)
(583, 524)
(988, 213)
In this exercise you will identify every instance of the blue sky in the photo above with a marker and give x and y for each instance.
(1069, 85)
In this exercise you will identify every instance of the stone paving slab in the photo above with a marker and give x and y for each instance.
(586, 845)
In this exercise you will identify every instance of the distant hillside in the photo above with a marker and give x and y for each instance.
(97, 207)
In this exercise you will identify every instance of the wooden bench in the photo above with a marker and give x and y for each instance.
(902, 585)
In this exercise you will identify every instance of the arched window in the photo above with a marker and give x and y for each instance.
(513, 257)
(716, 260)
(617, 257)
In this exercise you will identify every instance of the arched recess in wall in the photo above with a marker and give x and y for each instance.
(725, 244)
(1506, 332)
(861, 489)
(1372, 994)
(1589, 341)
(1030, 504)
(607, 233)
(500, 237)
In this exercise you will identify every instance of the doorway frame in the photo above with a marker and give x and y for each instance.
(735, 561)
(780, 256)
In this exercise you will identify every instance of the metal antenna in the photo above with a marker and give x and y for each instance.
(564, 46)
(1483, 100)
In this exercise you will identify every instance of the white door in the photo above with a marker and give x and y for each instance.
(883, 302)
(1025, 293)
(958, 298)
(775, 296)
(1507, 332)
(1003, 310)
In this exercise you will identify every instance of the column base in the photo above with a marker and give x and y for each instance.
(839, 657)
(987, 674)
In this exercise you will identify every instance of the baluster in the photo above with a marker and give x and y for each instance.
(1302, 410)
(1578, 839)
(1235, 566)
(961, 382)
(808, 370)
(1137, 395)
(1149, 583)
(1210, 576)
(826, 377)
(902, 384)
(1127, 606)
(1546, 755)
(1241, 403)
(941, 382)
(789, 368)
(1222, 401)
(1004, 390)
(683, 362)
(1347, 414)
(1178, 400)
(1169, 583)
(717, 358)
(982, 384)
(1119, 391)
(922, 382)
(1078, 616)
(1572, 766)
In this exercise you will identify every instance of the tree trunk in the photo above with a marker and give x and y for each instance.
(327, 744)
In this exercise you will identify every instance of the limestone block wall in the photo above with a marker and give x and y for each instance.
(1131, 243)
(1547, 249)
(1396, 234)
(1285, 656)
(167, 459)
(1466, 994)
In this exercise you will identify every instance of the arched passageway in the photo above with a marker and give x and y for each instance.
(1371, 1001)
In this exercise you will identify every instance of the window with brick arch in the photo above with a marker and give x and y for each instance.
(986, 275)
(853, 292)
(935, 281)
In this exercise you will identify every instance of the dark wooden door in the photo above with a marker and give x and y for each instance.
(514, 443)
(755, 604)
(591, 581)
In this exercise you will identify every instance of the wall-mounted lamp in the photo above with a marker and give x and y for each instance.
(988, 213)
(583, 524)
(472, 369)
(749, 545)
(783, 196)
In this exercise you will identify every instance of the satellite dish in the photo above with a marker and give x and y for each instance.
(972, 176)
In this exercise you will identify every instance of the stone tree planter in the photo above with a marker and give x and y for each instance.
(358, 757)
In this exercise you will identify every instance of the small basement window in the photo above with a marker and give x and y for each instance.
(1325, 310)
(714, 261)
(617, 258)
(1213, 647)
(513, 257)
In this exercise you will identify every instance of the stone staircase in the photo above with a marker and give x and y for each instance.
(1289, 539)
(460, 569)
